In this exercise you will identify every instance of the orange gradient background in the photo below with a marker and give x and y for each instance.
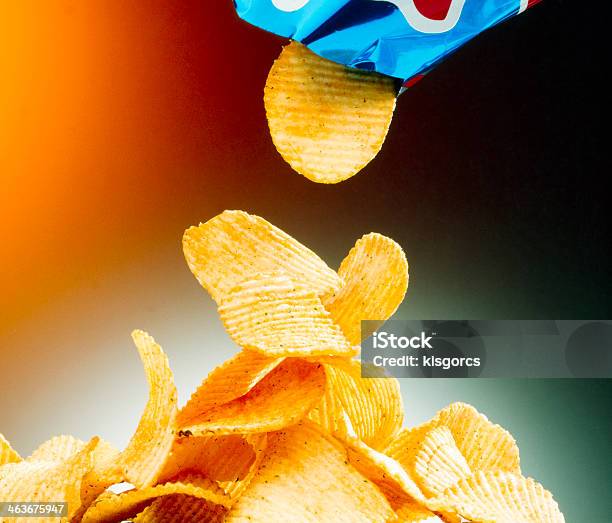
(105, 112)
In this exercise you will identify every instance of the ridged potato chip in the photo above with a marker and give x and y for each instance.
(279, 317)
(438, 463)
(502, 497)
(386, 473)
(449, 517)
(145, 455)
(47, 481)
(104, 470)
(326, 120)
(304, 477)
(111, 507)
(373, 405)
(60, 448)
(235, 246)
(7, 454)
(375, 275)
(181, 508)
(57, 448)
(282, 398)
(230, 460)
(235, 488)
(414, 513)
(484, 445)
(220, 458)
(229, 381)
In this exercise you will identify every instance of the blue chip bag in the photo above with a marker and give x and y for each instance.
(399, 38)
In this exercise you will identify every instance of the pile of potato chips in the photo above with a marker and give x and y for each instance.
(287, 430)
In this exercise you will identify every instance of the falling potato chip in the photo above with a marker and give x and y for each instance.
(235, 246)
(7, 454)
(282, 398)
(146, 453)
(229, 381)
(111, 507)
(438, 463)
(47, 481)
(326, 120)
(373, 405)
(277, 316)
(181, 508)
(484, 445)
(502, 497)
(375, 275)
(305, 477)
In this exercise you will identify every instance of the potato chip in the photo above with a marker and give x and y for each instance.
(57, 448)
(386, 473)
(104, 470)
(373, 405)
(484, 445)
(282, 398)
(235, 246)
(111, 507)
(242, 372)
(449, 517)
(414, 513)
(375, 275)
(7, 454)
(235, 488)
(326, 120)
(60, 448)
(47, 481)
(229, 460)
(279, 317)
(502, 497)
(105, 473)
(438, 463)
(220, 458)
(143, 458)
(181, 508)
(305, 476)
(146, 453)
(229, 381)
